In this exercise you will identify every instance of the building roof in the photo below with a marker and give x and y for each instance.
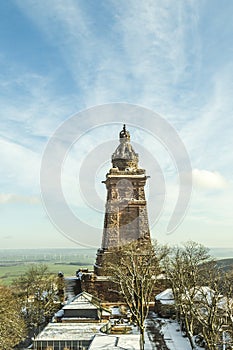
(76, 308)
(166, 297)
(81, 304)
(201, 293)
(83, 301)
(69, 331)
(121, 341)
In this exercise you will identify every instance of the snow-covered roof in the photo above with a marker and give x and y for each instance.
(115, 311)
(79, 304)
(106, 312)
(202, 293)
(69, 331)
(129, 341)
(165, 297)
(103, 342)
(121, 341)
(83, 301)
(205, 294)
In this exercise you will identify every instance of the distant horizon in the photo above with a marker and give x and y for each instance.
(218, 252)
(93, 248)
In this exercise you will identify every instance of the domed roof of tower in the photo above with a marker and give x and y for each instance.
(124, 156)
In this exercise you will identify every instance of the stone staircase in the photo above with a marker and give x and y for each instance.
(72, 287)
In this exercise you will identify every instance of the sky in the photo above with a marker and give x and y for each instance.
(61, 57)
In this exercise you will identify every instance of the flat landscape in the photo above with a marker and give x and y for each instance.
(15, 262)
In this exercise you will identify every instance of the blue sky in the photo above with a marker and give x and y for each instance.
(59, 57)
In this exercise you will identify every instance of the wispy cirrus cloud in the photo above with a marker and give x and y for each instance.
(69, 29)
(208, 135)
(150, 66)
(19, 167)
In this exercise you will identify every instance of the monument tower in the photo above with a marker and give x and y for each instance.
(125, 210)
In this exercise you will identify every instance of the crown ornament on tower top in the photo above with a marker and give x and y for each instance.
(124, 156)
(124, 134)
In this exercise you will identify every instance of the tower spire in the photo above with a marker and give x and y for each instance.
(125, 210)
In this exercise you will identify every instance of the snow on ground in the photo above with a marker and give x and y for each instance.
(163, 334)
(173, 338)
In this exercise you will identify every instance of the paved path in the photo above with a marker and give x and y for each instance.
(164, 334)
(153, 337)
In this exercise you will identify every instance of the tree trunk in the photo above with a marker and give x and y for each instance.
(189, 334)
(142, 338)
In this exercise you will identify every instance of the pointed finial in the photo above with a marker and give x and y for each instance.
(124, 134)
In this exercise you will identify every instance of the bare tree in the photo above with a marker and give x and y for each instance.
(134, 268)
(213, 310)
(12, 325)
(186, 270)
(228, 293)
(38, 291)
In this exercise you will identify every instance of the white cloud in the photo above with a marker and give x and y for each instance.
(16, 198)
(205, 179)
(19, 167)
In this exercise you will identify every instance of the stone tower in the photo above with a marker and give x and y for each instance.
(125, 211)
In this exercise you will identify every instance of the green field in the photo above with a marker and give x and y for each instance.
(9, 273)
(14, 263)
